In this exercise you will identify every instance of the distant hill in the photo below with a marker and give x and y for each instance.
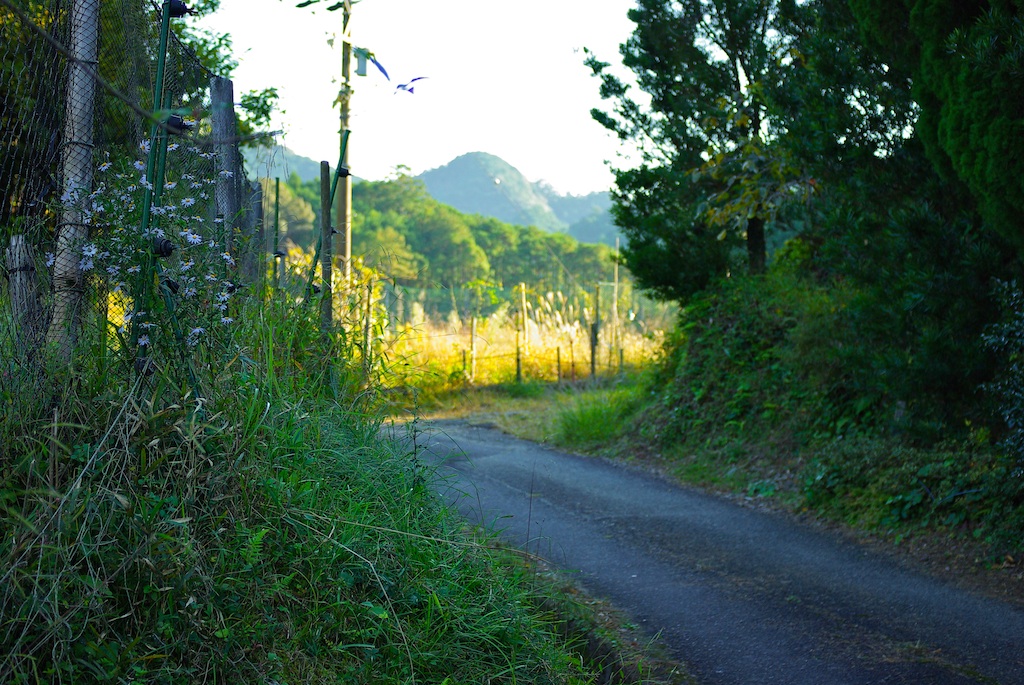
(480, 183)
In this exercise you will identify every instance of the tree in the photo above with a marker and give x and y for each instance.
(965, 58)
(500, 242)
(439, 233)
(706, 67)
(845, 107)
(438, 243)
(386, 250)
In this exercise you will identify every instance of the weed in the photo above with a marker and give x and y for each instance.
(595, 419)
(262, 531)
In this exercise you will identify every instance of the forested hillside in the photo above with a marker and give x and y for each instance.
(417, 242)
(828, 191)
(475, 183)
(480, 183)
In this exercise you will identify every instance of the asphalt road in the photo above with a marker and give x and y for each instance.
(738, 594)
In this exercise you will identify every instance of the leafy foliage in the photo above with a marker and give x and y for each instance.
(710, 70)
(410, 237)
(965, 60)
(871, 139)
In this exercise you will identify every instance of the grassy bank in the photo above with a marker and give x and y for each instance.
(260, 531)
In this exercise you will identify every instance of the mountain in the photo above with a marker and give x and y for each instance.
(589, 216)
(480, 183)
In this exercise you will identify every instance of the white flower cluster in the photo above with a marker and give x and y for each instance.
(119, 249)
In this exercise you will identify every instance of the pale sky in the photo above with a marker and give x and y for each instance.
(505, 78)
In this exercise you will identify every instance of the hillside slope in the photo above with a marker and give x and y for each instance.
(481, 183)
(476, 183)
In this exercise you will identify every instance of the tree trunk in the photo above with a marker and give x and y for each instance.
(756, 246)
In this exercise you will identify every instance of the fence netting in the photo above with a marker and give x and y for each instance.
(124, 218)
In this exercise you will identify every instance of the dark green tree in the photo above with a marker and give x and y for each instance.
(440, 234)
(386, 250)
(706, 67)
(500, 241)
(965, 58)
(844, 108)
(439, 246)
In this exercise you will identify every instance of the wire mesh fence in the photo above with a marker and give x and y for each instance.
(127, 224)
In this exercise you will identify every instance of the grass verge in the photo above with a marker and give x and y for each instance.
(263, 532)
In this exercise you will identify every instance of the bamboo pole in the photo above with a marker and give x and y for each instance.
(344, 206)
(368, 330)
(277, 233)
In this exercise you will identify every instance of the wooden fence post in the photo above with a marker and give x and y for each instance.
(23, 289)
(76, 166)
(225, 138)
(572, 361)
(526, 327)
(595, 331)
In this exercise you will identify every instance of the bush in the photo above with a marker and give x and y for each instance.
(883, 484)
(596, 418)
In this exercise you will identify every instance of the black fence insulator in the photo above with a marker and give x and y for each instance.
(180, 9)
(145, 366)
(162, 247)
(177, 125)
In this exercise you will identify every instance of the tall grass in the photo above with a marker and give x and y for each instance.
(437, 357)
(249, 527)
(596, 418)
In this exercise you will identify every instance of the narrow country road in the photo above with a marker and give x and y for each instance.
(739, 595)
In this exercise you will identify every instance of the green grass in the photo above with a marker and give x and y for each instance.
(596, 418)
(263, 531)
